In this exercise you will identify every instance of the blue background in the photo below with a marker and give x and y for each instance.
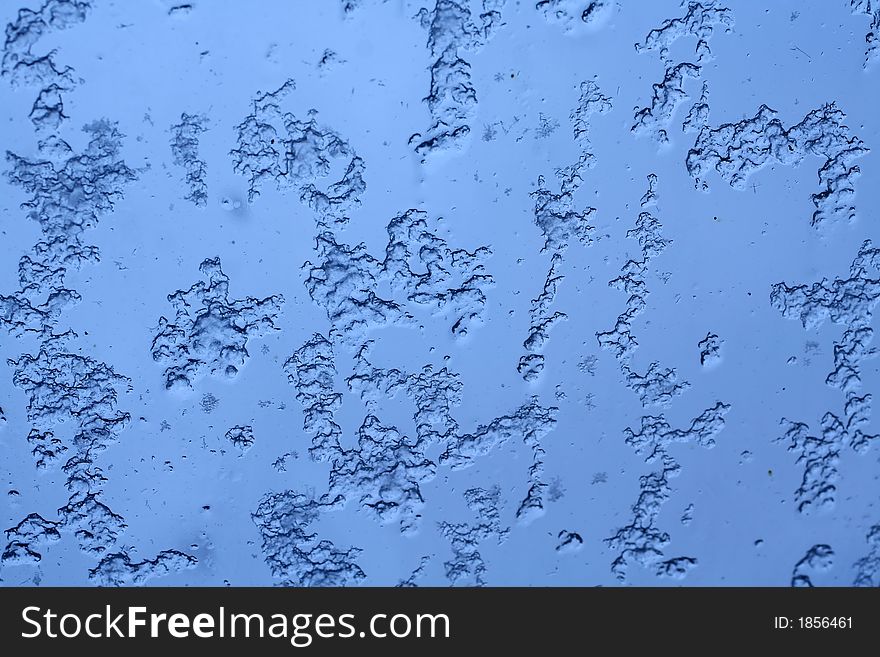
(367, 292)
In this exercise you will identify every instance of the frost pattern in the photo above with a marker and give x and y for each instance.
(467, 567)
(737, 150)
(571, 13)
(311, 370)
(295, 556)
(209, 333)
(23, 67)
(385, 471)
(73, 399)
(48, 109)
(185, 153)
(76, 404)
(659, 385)
(452, 99)
(559, 222)
(641, 541)
(850, 303)
(818, 559)
(868, 567)
(416, 574)
(26, 537)
(419, 272)
(276, 146)
(531, 422)
(871, 9)
(698, 114)
(118, 569)
(447, 282)
(710, 350)
(568, 542)
(700, 22)
(688, 516)
(241, 437)
(668, 95)
(434, 393)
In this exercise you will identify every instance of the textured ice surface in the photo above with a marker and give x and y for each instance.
(850, 303)
(699, 22)
(737, 150)
(871, 9)
(210, 333)
(818, 559)
(452, 292)
(454, 30)
(185, 151)
(868, 567)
